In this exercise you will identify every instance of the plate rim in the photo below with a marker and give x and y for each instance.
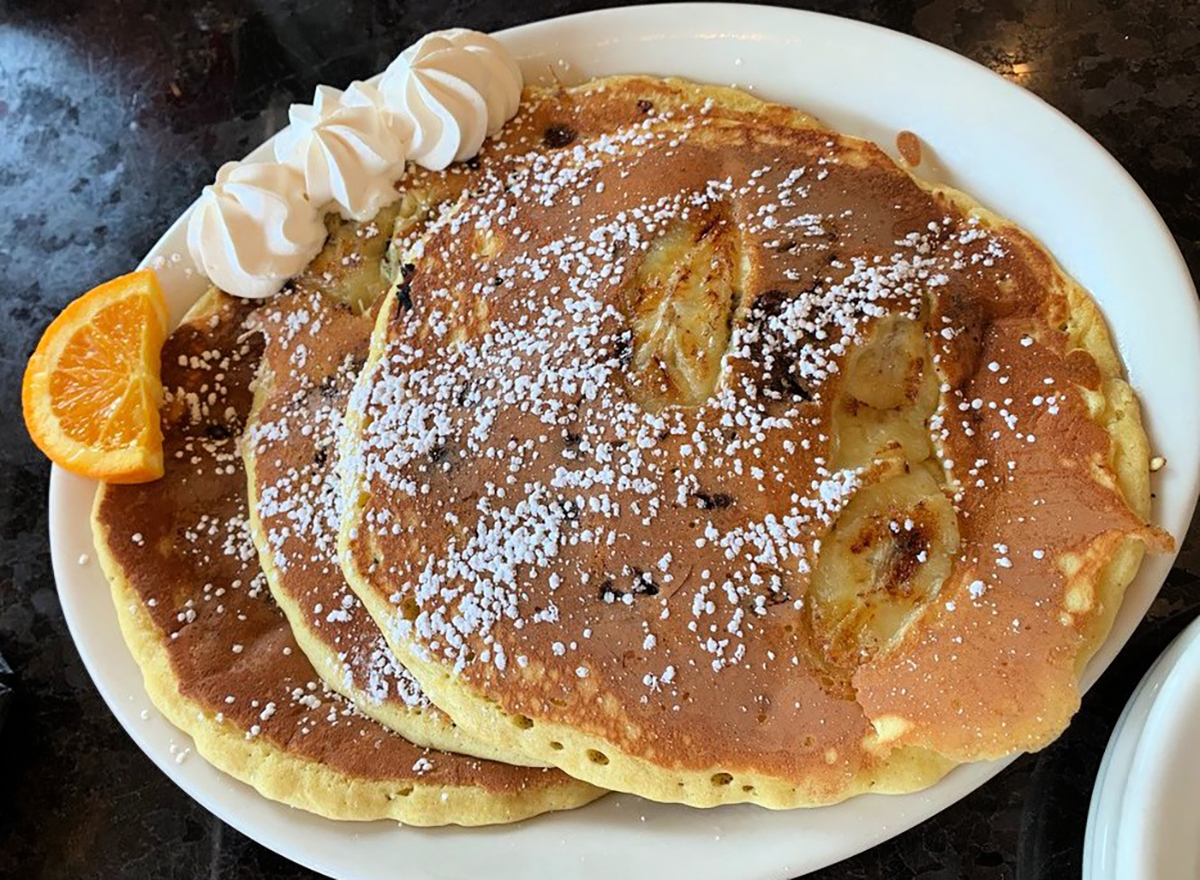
(1139, 851)
(1108, 818)
(959, 782)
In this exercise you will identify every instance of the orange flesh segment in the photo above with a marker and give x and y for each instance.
(92, 388)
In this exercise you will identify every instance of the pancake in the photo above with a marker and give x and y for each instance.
(315, 335)
(217, 655)
(314, 346)
(313, 349)
(310, 749)
(719, 459)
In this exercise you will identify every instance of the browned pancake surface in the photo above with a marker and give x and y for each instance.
(314, 350)
(183, 545)
(596, 480)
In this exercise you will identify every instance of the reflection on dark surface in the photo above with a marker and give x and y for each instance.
(114, 114)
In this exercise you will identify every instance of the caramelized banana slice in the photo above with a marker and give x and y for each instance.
(887, 395)
(885, 370)
(863, 434)
(680, 306)
(885, 558)
(348, 267)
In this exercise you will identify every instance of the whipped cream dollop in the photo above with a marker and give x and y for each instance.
(457, 87)
(349, 154)
(363, 94)
(262, 222)
(503, 93)
(254, 228)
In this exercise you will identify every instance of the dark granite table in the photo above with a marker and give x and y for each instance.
(114, 114)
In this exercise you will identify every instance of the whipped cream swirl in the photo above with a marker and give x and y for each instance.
(254, 228)
(350, 154)
(363, 94)
(261, 223)
(457, 87)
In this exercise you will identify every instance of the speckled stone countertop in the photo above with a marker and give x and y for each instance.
(112, 117)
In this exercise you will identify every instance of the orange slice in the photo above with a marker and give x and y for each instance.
(92, 388)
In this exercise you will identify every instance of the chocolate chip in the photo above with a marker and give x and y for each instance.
(643, 583)
(716, 500)
(404, 290)
(328, 386)
(770, 303)
(557, 136)
(645, 106)
(623, 349)
(607, 593)
(463, 392)
(776, 356)
(404, 295)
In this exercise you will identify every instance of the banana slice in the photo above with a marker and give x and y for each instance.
(885, 370)
(887, 395)
(348, 267)
(680, 306)
(884, 560)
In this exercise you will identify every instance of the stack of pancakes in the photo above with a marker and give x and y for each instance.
(676, 445)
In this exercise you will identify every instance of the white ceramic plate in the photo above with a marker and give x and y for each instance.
(982, 134)
(1143, 823)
